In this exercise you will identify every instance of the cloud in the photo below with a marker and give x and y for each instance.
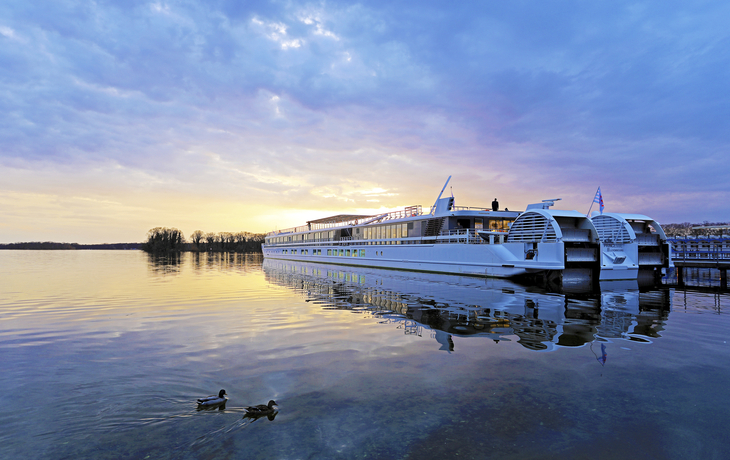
(312, 104)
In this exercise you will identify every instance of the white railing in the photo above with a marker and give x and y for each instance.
(700, 249)
(462, 235)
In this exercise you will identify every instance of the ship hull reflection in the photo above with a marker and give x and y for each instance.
(442, 306)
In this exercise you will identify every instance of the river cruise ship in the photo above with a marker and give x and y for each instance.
(555, 245)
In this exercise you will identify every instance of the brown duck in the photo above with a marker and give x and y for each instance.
(261, 409)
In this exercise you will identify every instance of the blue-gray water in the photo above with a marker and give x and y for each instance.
(103, 354)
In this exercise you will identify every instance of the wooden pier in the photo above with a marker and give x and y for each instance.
(704, 252)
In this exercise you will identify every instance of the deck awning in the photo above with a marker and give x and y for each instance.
(339, 219)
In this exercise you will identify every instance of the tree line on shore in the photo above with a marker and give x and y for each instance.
(165, 240)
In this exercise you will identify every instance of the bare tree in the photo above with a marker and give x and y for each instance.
(196, 237)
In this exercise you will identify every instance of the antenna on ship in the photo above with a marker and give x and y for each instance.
(433, 209)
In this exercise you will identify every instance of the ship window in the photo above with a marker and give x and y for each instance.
(319, 252)
(463, 223)
(362, 253)
(478, 223)
(342, 252)
(498, 225)
(329, 252)
(354, 253)
(347, 252)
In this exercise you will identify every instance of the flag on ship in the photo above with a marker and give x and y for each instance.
(599, 198)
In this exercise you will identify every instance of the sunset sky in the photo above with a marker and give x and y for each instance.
(122, 115)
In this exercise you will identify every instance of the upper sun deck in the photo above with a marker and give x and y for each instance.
(349, 220)
(407, 213)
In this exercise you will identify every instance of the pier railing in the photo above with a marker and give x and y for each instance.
(700, 249)
(701, 253)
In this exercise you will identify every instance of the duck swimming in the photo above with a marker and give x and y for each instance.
(213, 400)
(261, 409)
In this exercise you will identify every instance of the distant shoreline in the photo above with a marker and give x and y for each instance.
(47, 245)
(51, 246)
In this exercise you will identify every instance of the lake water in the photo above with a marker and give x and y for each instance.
(103, 354)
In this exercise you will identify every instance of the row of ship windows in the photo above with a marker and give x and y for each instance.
(330, 252)
(391, 231)
(369, 233)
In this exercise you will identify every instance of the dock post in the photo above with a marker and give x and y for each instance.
(723, 278)
(680, 276)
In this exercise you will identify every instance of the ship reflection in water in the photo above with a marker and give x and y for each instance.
(443, 306)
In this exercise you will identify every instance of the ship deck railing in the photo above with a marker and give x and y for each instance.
(456, 236)
(470, 208)
(464, 208)
(409, 211)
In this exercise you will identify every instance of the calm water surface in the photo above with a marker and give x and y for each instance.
(103, 354)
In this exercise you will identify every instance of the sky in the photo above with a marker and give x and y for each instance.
(117, 116)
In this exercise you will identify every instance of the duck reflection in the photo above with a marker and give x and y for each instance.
(220, 407)
(443, 306)
(253, 417)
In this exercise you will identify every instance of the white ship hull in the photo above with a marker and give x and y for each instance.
(557, 245)
(498, 260)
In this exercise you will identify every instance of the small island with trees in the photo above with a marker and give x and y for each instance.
(162, 240)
